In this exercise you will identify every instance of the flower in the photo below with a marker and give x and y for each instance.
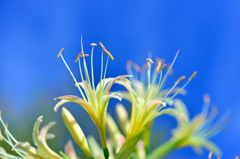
(196, 132)
(24, 149)
(93, 100)
(148, 100)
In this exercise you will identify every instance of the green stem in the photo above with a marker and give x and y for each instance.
(104, 143)
(164, 149)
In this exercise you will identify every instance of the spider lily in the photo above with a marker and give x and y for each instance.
(93, 99)
(24, 149)
(148, 101)
(196, 132)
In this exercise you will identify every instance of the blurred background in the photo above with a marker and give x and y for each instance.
(33, 32)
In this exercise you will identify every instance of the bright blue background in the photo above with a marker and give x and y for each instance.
(207, 33)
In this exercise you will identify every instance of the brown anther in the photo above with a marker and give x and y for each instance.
(159, 65)
(206, 99)
(149, 64)
(1, 139)
(160, 69)
(85, 55)
(5, 131)
(237, 157)
(93, 44)
(210, 155)
(192, 76)
(60, 52)
(129, 64)
(180, 79)
(78, 56)
(149, 60)
(109, 54)
(136, 67)
(218, 157)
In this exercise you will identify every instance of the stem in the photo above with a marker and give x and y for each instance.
(164, 149)
(104, 143)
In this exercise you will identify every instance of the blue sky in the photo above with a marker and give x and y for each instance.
(206, 32)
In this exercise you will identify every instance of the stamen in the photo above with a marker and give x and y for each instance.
(218, 157)
(5, 130)
(160, 69)
(136, 67)
(1, 139)
(144, 67)
(148, 64)
(149, 60)
(78, 56)
(85, 55)
(206, 99)
(60, 52)
(109, 54)
(237, 157)
(93, 44)
(171, 69)
(180, 79)
(129, 64)
(159, 65)
(192, 76)
(210, 155)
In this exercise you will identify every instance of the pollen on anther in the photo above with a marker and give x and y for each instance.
(60, 52)
(93, 44)
(5, 131)
(109, 54)
(180, 79)
(160, 69)
(149, 60)
(210, 155)
(78, 56)
(192, 76)
(85, 55)
(1, 139)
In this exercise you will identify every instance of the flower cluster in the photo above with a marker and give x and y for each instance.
(130, 138)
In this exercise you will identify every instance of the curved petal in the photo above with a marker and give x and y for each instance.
(173, 112)
(40, 142)
(75, 99)
(104, 103)
(112, 81)
(29, 150)
(69, 150)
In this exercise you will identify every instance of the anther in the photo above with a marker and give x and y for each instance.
(149, 60)
(109, 54)
(1, 139)
(136, 67)
(160, 69)
(192, 76)
(210, 155)
(60, 52)
(206, 99)
(180, 79)
(85, 55)
(93, 44)
(5, 131)
(159, 65)
(149, 64)
(129, 64)
(78, 56)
